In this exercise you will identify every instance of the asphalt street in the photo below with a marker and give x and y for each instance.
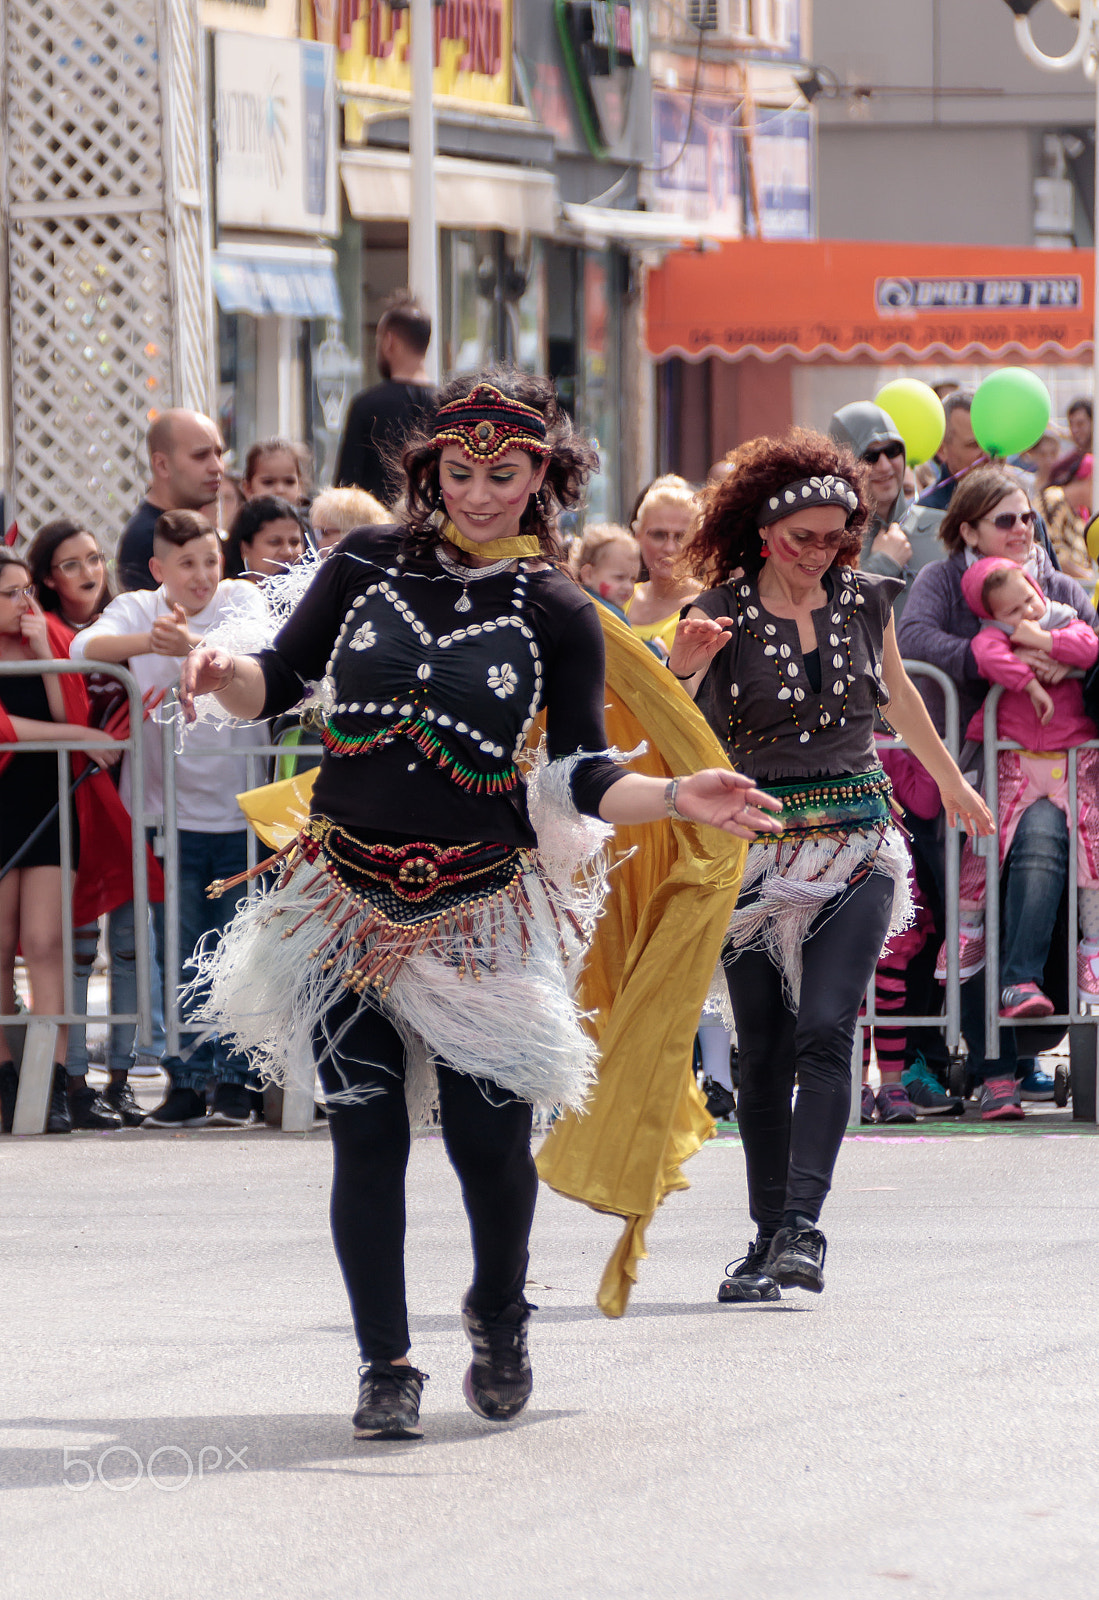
(178, 1376)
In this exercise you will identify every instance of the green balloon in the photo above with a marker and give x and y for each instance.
(917, 413)
(1010, 411)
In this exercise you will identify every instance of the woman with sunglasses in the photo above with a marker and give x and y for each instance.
(791, 653)
(989, 516)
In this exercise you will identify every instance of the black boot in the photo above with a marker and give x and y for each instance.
(9, 1090)
(59, 1119)
(748, 1280)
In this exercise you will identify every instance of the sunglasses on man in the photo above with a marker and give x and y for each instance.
(891, 451)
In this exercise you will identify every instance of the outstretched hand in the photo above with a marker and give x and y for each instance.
(727, 800)
(697, 641)
(205, 671)
(964, 808)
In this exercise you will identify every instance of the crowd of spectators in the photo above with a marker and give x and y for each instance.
(998, 563)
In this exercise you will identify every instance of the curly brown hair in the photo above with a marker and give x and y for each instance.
(974, 497)
(728, 536)
(570, 464)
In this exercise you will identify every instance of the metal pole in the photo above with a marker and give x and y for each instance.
(423, 264)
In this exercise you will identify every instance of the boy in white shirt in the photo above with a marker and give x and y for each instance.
(153, 630)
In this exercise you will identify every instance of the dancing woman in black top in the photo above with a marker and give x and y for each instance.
(426, 920)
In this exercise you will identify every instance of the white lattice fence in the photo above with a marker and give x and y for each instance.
(107, 263)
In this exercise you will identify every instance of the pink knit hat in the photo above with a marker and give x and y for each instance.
(973, 581)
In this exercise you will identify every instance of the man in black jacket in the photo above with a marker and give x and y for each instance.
(380, 419)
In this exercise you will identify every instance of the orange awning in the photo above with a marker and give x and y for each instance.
(889, 302)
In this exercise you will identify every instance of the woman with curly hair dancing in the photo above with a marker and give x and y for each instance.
(418, 936)
(790, 653)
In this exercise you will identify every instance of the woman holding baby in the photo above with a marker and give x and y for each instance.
(948, 622)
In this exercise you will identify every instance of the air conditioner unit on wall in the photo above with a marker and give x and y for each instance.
(728, 19)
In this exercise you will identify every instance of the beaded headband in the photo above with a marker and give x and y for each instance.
(806, 492)
(485, 425)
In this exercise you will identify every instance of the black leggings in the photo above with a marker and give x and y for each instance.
(790, 1154)
(486, 1131)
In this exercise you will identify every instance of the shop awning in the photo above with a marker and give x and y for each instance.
(468, 194)
(890, 302)
(276, 281)
(600, 225)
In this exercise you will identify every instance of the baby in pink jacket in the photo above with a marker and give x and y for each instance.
(1048, 720)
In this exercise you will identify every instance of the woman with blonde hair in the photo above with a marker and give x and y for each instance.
(663, 520)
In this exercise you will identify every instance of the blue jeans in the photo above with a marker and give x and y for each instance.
(202, 858)
(122, 990)
(1037, 872)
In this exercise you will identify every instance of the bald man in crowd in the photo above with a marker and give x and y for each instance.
(185, 469)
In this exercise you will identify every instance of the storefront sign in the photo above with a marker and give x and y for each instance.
(890, 302)
(696, 161)
(1017, 294)
(782, 149)
(276, 134)
(472, 45)
(278, 19)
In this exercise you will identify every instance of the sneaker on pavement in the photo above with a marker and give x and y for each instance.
(181, 1108)
(88, 1109)
(971, 954)
(997, 1100)
(1037, 1085)
(1024, 1000)
(746, 1280)
(720, 1102)
(232, 1107)
(796, 1258)
(893, 1103)
(389, 1402)
(120, 1098)
(498, 1381)
(868, 1106)
(927, 1093)
(1087, 968)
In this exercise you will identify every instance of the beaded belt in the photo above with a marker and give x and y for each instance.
(831, 805)
(415, 882)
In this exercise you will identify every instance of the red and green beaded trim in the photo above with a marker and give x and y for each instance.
(430, 745)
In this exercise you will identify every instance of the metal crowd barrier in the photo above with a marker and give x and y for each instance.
(1082, 1026)
(297, 1099)
(39, 1043)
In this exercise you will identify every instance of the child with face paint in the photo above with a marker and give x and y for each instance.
(607, 560)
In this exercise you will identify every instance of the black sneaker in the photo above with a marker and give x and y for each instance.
(720, 1102)
(796, 1259)
(120, 1098)
(9, 1093)
(232, 1106)
(746, 1279)
(181, 1108)
(59, 1119)
(88, 1109)
(389, 1402)
(498, 1382)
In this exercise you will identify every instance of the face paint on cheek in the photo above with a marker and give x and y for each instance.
(781, 544)
(606, 590)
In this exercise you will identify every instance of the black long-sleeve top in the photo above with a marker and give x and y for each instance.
(432, 703)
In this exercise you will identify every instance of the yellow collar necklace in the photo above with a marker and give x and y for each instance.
(525, 544)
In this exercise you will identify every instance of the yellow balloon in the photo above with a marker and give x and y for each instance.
(918, 415)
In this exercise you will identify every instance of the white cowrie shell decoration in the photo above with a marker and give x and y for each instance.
(784, 651)
(799, 694)
(837, 661)
(784, 693)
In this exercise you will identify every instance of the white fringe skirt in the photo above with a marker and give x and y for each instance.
(485, 986)
(789, 883)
